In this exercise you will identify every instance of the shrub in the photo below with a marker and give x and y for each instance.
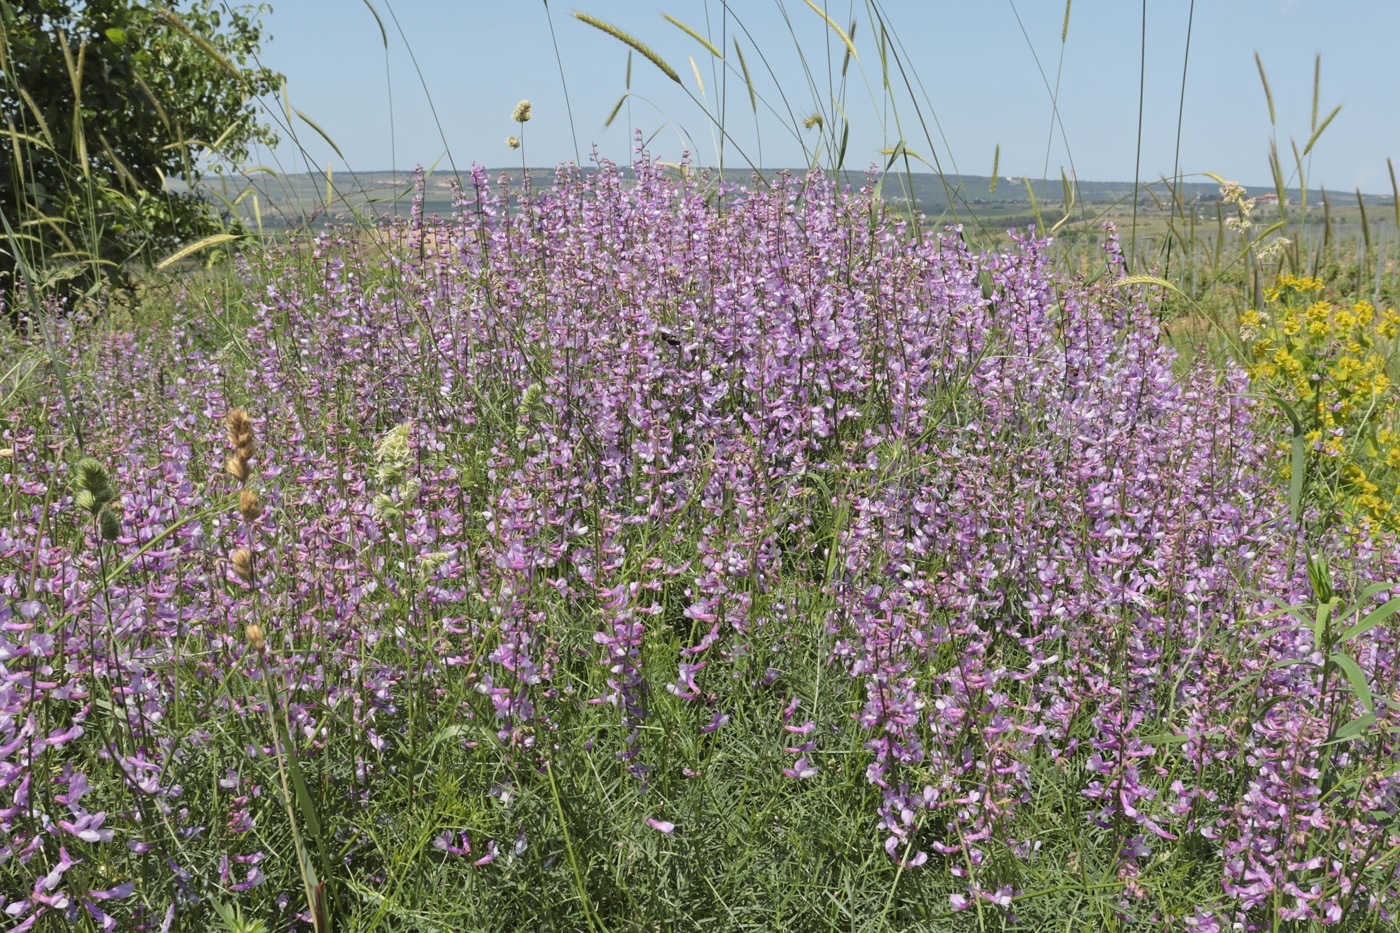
(1328, 363)
(102, 103)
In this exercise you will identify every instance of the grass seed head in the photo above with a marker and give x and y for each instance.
(94, 485)
(249, 505)
(110, 525)
(521, 114)
(392, 454)
(257, 640)
(242, 560)
(240, 438)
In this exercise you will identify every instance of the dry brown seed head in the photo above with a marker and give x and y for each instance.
(242, 560)
(249, 505)
(240, 426)
(237, 468)
(256, 639)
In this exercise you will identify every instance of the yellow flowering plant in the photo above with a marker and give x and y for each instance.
(1328, 363)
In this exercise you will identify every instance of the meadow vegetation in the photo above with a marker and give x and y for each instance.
(650, 552)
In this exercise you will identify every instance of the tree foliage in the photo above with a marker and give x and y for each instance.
(104, 103)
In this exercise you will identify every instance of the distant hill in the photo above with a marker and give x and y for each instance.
(290, 200)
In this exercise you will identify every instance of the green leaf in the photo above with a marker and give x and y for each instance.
(1352, 729)
(1165, 738)
(1300, 454)
(117, 35)
(1373, 619)
(1320, 577)
(1357, 679)
(1320, 622)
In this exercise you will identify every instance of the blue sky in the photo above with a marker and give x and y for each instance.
(981, 72)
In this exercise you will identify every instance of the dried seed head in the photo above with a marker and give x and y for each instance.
(240, 426)
(521, 114)
(242, 560)
(237, 467)
(249, 505)
(512, 142)
(240, 435)
(256, 639)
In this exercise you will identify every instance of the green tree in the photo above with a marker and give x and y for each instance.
(102, 103)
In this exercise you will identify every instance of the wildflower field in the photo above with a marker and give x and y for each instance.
(649, 547)
(655, 556)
